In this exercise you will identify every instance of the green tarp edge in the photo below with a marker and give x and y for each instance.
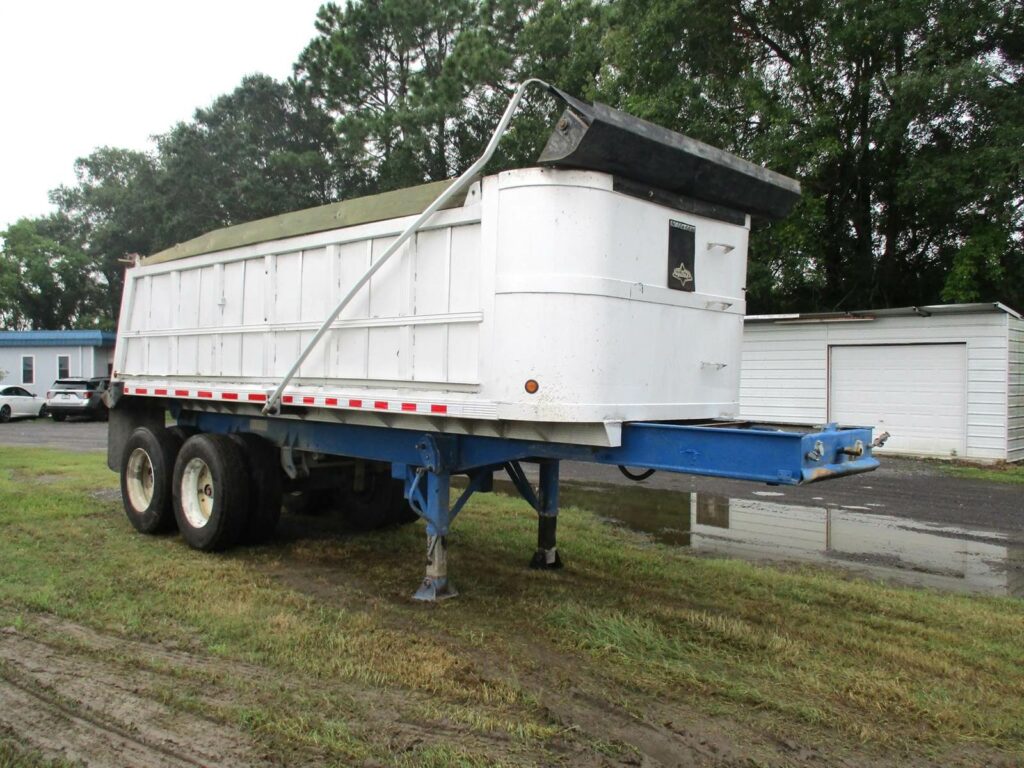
(348, 213)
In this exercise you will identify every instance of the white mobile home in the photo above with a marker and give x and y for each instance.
(944, 380)
(35, 359)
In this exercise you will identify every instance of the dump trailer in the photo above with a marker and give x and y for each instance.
(589, 308)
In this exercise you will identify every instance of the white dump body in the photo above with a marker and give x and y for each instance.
(545, 275)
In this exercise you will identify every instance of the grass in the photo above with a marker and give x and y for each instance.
(13, 755)
(1000, 473)
(840, 665)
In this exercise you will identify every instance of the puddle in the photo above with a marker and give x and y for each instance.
(873, 545)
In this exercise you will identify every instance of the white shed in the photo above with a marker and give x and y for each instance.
(945, 380)
(35, 359)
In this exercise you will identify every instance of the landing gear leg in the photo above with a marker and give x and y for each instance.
(433, 502)
(546, 557)
(435, 584)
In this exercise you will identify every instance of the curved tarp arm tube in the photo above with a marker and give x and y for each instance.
(460, 184)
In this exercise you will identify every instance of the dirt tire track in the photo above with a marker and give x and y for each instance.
(382, 708)
(54, 729)
(91, 711)
(72, 676)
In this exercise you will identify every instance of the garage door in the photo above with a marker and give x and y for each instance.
(915, 392)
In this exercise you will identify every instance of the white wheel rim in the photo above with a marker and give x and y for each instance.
(197, 493)
(140, 480)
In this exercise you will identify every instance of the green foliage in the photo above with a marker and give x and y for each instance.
(406, 82)
(46, 279)
(902, 120)
(255, 152)
(112, 212)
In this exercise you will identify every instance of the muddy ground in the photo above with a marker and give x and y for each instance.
(82, 695)
(71, 693)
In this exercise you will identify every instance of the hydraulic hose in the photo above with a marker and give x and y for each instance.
(636, 477)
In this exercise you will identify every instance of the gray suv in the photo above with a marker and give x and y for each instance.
(77, 397)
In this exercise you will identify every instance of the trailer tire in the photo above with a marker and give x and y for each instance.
(182, 433)
(147, 466)
(263, 465)
(380, 504)
(211, 492)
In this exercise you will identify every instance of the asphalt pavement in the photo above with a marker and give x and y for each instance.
(915, 489)
(74, 434)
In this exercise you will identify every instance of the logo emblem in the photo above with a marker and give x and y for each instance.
(683, 275)
(681, 256)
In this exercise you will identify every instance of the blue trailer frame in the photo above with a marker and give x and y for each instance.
(426, 462)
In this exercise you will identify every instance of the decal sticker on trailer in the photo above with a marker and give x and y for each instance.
(681, 248)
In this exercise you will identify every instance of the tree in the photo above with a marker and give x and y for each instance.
(259, 151)
(46, 280)
(901, 118)
(112, 213)
(561, 42)
(407, 83)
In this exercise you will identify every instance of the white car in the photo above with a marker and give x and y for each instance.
(16, 402)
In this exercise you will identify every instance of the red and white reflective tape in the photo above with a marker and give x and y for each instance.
(341, 401)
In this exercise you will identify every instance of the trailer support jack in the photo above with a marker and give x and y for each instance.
(435, 584)
(546, 557)
(545, 502)
(428, 493)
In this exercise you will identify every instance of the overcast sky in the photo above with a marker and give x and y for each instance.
(78, 74)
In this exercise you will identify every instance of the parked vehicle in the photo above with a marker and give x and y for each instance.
(591, 310)
(77, 397)
(18, 402)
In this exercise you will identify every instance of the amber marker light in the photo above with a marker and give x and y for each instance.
(532, 386)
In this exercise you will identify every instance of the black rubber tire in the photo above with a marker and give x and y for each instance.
(43, 412)
(162, 448)
(312, 502)
(5, 414)
(263, 465)
(296, 502)
(230, 492)
(380, 504)
(182, 433)
(58, 416)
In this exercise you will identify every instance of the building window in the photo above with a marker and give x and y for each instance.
(63, 366)
(28, 369)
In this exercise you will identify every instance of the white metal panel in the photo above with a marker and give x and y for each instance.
(1015, 393)
(544, 274)
(916, 392)
(785, 368)
(582, 305)
(784, 373)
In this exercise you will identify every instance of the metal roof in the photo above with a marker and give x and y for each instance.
(57, 339)
(871, 314)
(347, 213)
